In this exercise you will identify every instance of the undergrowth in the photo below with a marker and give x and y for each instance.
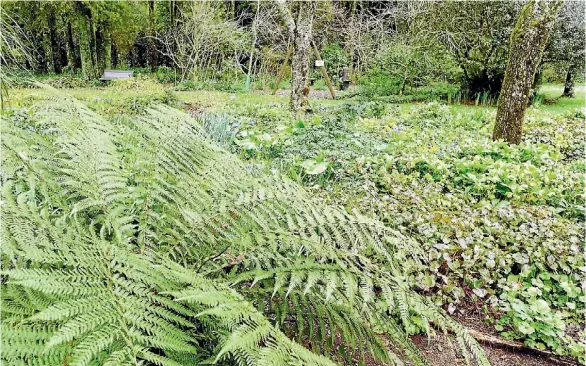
(501, 225)
(137, 240)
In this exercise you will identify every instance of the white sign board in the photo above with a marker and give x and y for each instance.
(319, 62)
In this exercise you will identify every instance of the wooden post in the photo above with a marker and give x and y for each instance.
(324, 72)
(282, 70)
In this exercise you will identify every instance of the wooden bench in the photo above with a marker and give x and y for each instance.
(116, 74)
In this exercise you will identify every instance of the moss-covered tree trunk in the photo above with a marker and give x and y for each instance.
(103, 48)
(94, 45)
(300, 59)
(569, 84)
(300, 33)
(528, 40)
(39, 61)
(55, 49)
(84, 32)
(107, 48)
(153, 56)
(70, 47)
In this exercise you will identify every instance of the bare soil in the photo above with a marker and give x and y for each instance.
(441, 350)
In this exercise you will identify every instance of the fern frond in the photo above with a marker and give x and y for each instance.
(121, 239)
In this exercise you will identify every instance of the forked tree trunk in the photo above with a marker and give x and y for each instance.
(526, 48)
(300, 59)
(569, 84)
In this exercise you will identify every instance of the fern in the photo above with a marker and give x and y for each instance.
(138, 241)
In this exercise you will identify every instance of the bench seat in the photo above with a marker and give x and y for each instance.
(116, 74)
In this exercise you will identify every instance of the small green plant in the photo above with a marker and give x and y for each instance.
(533, 321)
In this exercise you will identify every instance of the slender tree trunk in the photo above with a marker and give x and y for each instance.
(103, 43)
(300, 32)
(403, 83)
(99, 45)
(55, 51)
(71, 64)
(253, 46)
(528, 40)
(94, 45)
(350, 38)
(107, 48)
(153, 56)
(301, 52)
(569, 84)
(85, 51)
(39, 59)
(114, 54)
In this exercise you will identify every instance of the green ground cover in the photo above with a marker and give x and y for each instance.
(502, 225)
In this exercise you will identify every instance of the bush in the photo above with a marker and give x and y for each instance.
(165, 74)
(377, 83)
(335, 60)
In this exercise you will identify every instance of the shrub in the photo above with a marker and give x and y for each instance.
(377, 83)
(165, 74)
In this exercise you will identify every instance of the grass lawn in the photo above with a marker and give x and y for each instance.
(554, 92)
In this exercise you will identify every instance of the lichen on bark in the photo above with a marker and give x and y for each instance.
(85, 51)
(300, 31)
(528, 41)
(300, 60)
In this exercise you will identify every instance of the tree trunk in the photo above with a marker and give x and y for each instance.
(103, 48)
(71, 59)
(85, 51)
(39, 60)
(528, 40)
(107, 48)
(114, 54)
(153, 56)
(94, 45)
(253, 46)
(99, 45)
(300, 32)
(300, 59)
(569, 84)
(55, 49)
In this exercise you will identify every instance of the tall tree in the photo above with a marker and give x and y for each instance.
(72, 60)
(475, 33)
(567, 43)
(569, 82)
(85, 32)
(153, 54)
(103, 49)
(528, 41)
(300, 32)
(54, 42)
